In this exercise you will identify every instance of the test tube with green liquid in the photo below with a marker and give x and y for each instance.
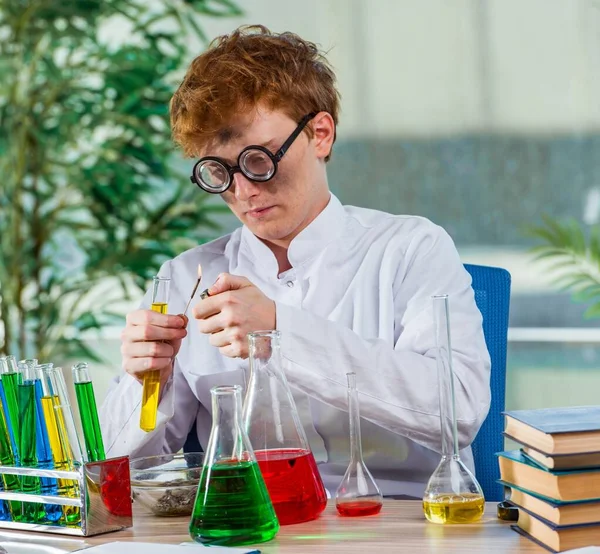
(5, 506)
(10, 482)
(11, 436)
(62, 453)
(84, 390)
(9, 373)
(32, 512)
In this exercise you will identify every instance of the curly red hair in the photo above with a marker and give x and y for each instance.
(251, 66)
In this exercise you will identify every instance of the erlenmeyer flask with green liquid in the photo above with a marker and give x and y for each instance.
(232, 505)
(453, 494)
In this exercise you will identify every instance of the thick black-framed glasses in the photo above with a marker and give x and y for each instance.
(255, 162)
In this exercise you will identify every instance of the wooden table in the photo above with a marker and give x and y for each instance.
(400, 527)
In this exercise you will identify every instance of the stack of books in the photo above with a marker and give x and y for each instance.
(554, 479)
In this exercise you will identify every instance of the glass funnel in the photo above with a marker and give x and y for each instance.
(276, 433)
(358, 493)
(232, 504)
(453, 495)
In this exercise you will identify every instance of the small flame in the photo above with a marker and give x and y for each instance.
(195, 289)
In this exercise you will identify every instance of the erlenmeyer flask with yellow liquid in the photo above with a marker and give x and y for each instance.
(453, 494)
(151, 383)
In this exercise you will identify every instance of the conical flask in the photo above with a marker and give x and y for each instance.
(453, 495)
(358, 493)
(232, 505)
(273, 426)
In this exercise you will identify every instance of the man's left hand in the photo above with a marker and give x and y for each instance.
(234, 308)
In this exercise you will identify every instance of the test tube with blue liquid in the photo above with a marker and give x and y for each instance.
(49, 485)
(4, 509)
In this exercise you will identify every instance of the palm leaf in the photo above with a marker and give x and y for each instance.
(593, 311)
(575, 256)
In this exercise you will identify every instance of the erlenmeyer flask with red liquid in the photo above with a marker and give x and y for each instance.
(277, 436)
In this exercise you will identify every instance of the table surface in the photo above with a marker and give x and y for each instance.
(400, 527)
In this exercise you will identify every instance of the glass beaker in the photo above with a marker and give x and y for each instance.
(232, 506)
(453, 494)
(358, 493)
(274, 429)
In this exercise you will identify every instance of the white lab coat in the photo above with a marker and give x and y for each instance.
(358, 298)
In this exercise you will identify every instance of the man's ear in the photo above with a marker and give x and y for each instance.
(324, 134)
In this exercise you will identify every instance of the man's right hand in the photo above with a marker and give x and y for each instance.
(151, 341)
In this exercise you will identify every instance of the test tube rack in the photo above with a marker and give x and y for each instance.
(104, 499)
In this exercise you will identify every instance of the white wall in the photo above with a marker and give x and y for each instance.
(545, 60)
(422, 67)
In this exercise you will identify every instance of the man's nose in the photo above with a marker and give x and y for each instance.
(244, 189)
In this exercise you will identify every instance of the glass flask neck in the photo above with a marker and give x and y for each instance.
(264, 349)
(445, 372)
(354, 420)
(270, 416)
(226, 438)
(226, 404)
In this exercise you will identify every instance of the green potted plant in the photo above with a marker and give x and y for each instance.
(91, 197)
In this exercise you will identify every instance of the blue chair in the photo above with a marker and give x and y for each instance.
(192, 444)
(492, 295)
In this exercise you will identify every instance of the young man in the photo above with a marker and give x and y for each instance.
(349, 288)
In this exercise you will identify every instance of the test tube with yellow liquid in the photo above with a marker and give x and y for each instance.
(60, 425)
(151, 388)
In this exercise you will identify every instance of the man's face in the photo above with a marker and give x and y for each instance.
(276, 210)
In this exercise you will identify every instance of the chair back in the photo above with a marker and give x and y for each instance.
(492, 296)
